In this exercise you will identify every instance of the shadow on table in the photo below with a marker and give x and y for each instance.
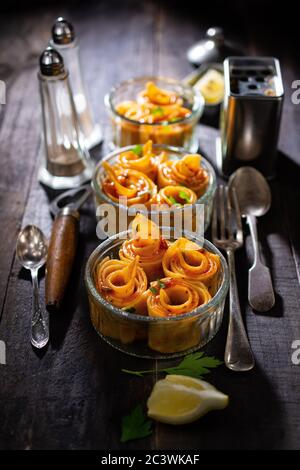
(251, 421)
(60, 321)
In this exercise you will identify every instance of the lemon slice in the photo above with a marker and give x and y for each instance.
(212, 87)
(179, 399)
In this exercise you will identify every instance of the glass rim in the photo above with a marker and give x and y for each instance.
(206, 309)
(196, 111)
(179, 150)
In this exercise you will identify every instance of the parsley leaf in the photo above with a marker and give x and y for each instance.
(183, 195)
(153, 290)
(157, 111)
(138, 150)
(193, 365)
(173, 201)
(136, 425)
(161, 284)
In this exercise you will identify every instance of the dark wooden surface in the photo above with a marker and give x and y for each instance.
(73, 394)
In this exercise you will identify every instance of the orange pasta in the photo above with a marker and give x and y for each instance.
(186, 260)
(135, 171)
(154, 105)
(182, 277)
(142, 159)
(171, 297)
(187, 172)
(147, 244)
(122, 283)
(135, 186)
(176, 196)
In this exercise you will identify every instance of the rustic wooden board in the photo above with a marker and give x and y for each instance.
(72, 395)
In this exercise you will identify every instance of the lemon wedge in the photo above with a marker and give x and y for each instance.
(212, 87)
(178, 399)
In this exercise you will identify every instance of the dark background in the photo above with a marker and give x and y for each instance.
(72, 395)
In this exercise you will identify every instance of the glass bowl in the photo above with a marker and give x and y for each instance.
(138, 335)
(159, 216)
(180, 133)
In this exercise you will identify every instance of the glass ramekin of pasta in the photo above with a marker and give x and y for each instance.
(160, 180)
(161, 109)
(154, 297)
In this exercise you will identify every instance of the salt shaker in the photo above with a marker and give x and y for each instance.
(67, 163)
(65, 42)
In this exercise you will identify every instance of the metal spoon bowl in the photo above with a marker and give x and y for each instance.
(254, 198)
(31, 251)
(252, 190)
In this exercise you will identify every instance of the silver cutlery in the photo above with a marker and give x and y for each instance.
(254, 198)
(31, 250)
(227, 234)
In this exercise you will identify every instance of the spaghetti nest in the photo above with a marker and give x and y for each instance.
(185, 172)
(154, 105)
(142, 176)
(186, 260)
(161, 280)
(121, 283)
(147, 244)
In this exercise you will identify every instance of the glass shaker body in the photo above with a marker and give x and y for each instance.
(68, 162)
(91, 131)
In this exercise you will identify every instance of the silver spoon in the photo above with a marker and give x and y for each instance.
(254, 197)
(32, 247)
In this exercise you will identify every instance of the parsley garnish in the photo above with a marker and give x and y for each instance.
(157, 111)
(183, 195)
(136, 425)
(153, 290)
(194, 365)
(138, 150)
(173, 201)
(161, 284)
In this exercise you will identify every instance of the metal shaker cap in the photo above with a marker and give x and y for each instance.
(51, 62)
(62, 31)
(214, 47)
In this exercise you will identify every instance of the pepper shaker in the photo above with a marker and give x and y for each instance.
(64, 41)
(68, 163)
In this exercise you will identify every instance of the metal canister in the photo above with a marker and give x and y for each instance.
(250, 115)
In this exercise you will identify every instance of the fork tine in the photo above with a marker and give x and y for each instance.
(238, 216)
(228, 215)
(222, 211)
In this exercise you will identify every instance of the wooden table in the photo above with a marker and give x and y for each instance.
(72, 395)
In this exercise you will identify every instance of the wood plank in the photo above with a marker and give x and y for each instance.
(73, 394)
(77, 377)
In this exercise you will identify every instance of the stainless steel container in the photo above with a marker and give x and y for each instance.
(251, 114)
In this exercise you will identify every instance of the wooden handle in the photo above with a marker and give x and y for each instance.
(61, 254)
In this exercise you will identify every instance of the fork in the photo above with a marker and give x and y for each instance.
(227, 234)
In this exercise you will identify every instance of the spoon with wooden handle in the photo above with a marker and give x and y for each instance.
(63, 243)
